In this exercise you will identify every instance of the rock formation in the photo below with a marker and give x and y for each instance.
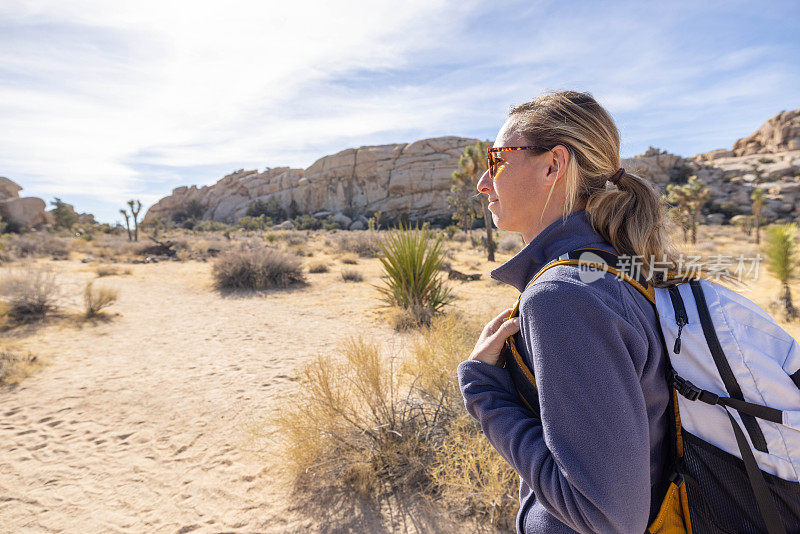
(27, 212)
(413, 179)
(778, 134)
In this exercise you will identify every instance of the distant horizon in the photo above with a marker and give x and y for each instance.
(101, 103)
(265, 168)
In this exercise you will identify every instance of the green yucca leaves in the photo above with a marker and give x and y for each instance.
(411, 260)
(781, 251)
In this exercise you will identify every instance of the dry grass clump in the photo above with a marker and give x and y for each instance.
(472, 477)
(460, 236)
(14, 366)
(291, 237)
(361, 423)
(351, 275)
(318, 267)
(95, 299)
(510, 243)
(349, 259)
(351, 426)
(110, 270)
(363, 243)
(31, 292)
(258, 269)
(37, 244)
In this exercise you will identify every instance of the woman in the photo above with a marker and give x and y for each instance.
(596, 460)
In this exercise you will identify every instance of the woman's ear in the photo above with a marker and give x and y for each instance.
(559, 158)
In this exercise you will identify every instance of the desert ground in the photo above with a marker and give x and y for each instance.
(143, 420)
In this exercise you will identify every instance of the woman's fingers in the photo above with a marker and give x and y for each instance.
(493, 325)
(506, 329)
(490, 344)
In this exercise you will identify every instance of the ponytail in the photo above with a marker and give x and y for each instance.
(632, 217)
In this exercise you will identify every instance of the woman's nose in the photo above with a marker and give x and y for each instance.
(485, 183)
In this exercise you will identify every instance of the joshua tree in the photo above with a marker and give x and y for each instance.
(680, 218)
(781, 251)
(471, 166)
(757, 196)
(689, 199)
(135, 212)
(461, 199)
(127, 223)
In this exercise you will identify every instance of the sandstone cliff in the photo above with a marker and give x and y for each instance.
(411, 178)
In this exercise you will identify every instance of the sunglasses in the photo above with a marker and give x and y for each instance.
(494, 150)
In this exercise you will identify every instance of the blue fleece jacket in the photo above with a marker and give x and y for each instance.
(595, 462)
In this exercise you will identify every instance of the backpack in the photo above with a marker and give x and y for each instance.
(734, 376)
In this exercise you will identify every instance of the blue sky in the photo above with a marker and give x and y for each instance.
(105, 101)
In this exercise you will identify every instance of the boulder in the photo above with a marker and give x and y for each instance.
(8, 189)
(357, 225)
(342, 220)
(28, 212)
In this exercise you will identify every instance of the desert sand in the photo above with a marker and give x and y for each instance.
(142, 422)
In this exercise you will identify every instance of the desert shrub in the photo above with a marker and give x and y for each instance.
(262, 222)
(510, 243)
(349, 259)
(211, 226)
(411, 262)
(270, 209)
(350, 425)
(191, 211)
(459, 236)
(14, 365)
(307, 222)
(318, 267)
(450, 230)
(31, 292)
(95, 299)
(351, 275)
(260, 268)
(365, 244)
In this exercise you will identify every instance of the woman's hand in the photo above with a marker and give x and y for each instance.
(494, 335)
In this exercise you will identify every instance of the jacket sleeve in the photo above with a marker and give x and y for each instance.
(588, 459)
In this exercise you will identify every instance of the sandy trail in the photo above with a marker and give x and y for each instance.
(139, 423)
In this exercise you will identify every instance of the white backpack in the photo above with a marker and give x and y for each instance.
(735, 377)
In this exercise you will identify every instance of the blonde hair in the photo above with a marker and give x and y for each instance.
(632, 216)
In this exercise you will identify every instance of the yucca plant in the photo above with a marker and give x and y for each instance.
(781, 251)
(411, 259)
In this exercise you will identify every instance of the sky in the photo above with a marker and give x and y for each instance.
(101, 102)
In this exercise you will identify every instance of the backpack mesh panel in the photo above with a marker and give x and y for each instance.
(720, 498)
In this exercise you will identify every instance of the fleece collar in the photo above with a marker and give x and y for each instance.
(564, 235)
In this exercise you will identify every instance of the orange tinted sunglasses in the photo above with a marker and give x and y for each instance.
(494, 150)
